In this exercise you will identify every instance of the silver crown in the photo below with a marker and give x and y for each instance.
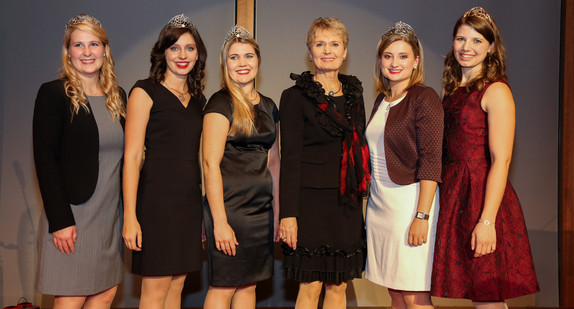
(180, 21)
(402, 29)
(82, 18)
(237, 32)
(478, 12)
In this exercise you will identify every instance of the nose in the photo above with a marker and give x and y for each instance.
(87, 51)
(465, 45)
(242, 61)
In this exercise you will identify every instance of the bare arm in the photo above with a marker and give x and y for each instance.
(274, 164)
(499, 104)
(215, 129)
(418, 232)
(137, 117)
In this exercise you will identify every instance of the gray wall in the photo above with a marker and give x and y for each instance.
(31, 34)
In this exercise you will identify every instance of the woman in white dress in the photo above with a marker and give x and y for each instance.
(404, 136)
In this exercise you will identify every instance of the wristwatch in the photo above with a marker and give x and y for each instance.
(421, 215)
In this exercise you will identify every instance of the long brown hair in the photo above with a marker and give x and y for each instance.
(493, 68)
(108, 81)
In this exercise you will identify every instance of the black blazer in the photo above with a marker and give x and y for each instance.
(66, 150)
(310, 157)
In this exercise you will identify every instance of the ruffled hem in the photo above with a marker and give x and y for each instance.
(323, 264)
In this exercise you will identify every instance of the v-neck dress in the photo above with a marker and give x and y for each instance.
(169, 203)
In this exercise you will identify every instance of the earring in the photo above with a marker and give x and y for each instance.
(104, 54)
(344, 58)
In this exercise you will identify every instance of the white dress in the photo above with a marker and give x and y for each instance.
(391, 261)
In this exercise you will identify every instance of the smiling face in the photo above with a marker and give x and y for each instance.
(327, 51)
(86, 52)
(242, 63)
(181, 56)
(470, 48)
(398, 63)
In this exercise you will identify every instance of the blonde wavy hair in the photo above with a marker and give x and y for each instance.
(243, 113)
(107, 77)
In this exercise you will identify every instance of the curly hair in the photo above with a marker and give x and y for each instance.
(417, 77)
(168, 37)
(108, 81)
(243, 113)
(493, 68)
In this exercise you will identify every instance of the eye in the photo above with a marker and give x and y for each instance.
(477, 41)
(319, 44)
(459, 39)
(233, 57)
(387, 56)
(190, 48)
(77, 45)
(250, 56)
(336, 44)
(94, 44)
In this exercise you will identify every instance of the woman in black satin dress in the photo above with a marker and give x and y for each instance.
(241, 169)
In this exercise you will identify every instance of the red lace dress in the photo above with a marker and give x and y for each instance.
(509, 271)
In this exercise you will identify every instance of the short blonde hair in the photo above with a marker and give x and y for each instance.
(327, 24)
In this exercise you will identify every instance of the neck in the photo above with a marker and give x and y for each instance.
(329, 77)
(179, 83)
(397, 90)
(91, 85)
(469, 73)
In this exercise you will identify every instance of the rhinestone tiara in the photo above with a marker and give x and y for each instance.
(180, 21)
(478, 12)
(237, 32)
(82, 18)
(402, 29)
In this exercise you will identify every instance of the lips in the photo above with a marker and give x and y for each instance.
(394, 71)
(182, 65)
(328, 59)
(243, 72)
(465, 56)
(87, 61)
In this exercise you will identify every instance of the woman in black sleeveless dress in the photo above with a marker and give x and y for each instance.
(162, 201)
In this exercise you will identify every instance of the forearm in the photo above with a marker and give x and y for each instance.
(131, 175)
(495, 187)
(426, 195)
(214, 192)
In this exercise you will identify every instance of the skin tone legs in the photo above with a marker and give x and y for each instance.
(410, 300)
(230, 297)
(101, 300)
(309, 292)
(162, 292)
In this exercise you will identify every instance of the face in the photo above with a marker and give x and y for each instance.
(398, 62)
(470, 48)
(181, 56)
(242, 63)
(327, 51)
(86, 53)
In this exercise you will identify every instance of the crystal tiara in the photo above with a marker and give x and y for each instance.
(82, 18)
(180, 21)
(237, 32)
(478, 12)
(402, 29)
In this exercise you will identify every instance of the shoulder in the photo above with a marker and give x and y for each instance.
(424, 94)
(148, 85)
(220, 102)
(496, 94)
(52, 95)
(56, 87)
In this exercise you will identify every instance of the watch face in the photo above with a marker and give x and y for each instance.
(420, 215)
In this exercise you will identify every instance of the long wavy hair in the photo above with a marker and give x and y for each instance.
(417, 77)
(168, 37)
(243, 113)
(493, 66)
(108, 81)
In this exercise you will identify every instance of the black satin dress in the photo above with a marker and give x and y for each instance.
(247, 193)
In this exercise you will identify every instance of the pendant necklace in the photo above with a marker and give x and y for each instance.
(181, 95)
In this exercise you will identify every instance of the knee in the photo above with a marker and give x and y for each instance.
(310, 289)
(107, 297)
(338, 289)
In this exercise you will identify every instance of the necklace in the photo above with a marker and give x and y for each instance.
(254, 97)
(333, 93)
(181, 95)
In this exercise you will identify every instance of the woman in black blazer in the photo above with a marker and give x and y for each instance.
(78, 143)
(324, 172)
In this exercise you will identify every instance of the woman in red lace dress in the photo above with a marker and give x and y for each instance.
(482, 251)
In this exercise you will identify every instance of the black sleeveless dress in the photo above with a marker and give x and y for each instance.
(247, 192)
(169, 193)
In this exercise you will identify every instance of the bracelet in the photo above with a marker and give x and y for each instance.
(485, 222)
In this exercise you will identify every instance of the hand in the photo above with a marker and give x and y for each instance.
(418, 232)
(65, 238)
(483, 239)
(276, 237)
(288, 231)
(225, 240)
(132, 234)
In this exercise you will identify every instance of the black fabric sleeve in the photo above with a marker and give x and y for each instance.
(48, 125)
(220, 103)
